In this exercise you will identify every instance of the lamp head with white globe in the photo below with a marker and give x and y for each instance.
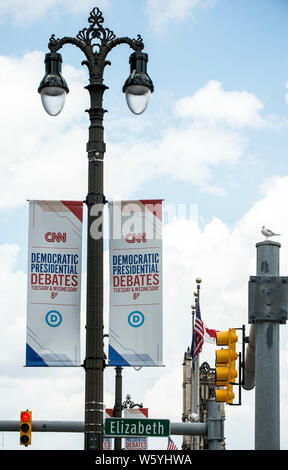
(138, 86)
(53, 87)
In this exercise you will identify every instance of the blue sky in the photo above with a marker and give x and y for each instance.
(214, 136)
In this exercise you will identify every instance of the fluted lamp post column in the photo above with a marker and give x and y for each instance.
(95, 42)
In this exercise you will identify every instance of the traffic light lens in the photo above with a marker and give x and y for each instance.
(225, 395)
(24, 427)
(222, 374)
(25, 416)
(24, 439)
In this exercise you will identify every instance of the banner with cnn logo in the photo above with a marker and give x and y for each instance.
(135, 261)
(54, 283)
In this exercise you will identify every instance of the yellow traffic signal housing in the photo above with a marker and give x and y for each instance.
(226, 394)
(226, 365)
(25, 427)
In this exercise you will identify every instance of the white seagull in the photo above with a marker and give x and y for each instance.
(268, 233)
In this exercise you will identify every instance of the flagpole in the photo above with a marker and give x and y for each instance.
(197, 386)
(199, 334)
(196, 346)
(193, 404)
(197, 381)
(193, 307)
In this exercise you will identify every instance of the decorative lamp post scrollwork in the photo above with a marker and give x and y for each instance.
(95, 42)
(128, 403)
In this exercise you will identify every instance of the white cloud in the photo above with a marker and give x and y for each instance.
(187, 153)
(43, 155)
(38, 151)
(12, 294)
(163, 12)
(211, 134)
(214, 105)
(29, 10)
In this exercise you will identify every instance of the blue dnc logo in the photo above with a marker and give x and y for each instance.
(53, 318)
(136, 319)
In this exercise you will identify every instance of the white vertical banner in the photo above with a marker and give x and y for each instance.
(135, 260)
(54, 283)
(136, 443)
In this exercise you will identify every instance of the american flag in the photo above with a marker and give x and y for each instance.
(171, 445)
(198, 334)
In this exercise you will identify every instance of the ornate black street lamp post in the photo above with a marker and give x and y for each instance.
(95, 42)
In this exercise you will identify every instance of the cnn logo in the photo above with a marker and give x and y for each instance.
(52, 237)
(133, 237)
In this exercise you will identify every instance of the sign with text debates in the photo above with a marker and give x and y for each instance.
(54, 283)
(107, 441)
(135, 259)
(136, 443)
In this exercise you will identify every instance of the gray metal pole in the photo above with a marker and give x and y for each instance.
(118, 403)
(267, 406)
(78, 426)
(44, 426)
(215, 426)
(188, 429)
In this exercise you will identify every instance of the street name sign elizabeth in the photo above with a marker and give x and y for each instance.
(137, 427)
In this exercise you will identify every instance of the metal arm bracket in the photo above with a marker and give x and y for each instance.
(268, 299)
(88, 202)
